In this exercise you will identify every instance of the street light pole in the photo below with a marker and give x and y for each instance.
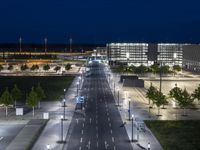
(61, 129)
(20, 44)
(77, 87)
(149, 146)
(160, 77)
(64, 108)
(114, 88)
(129, 110)
(118, 97)
(132, 128)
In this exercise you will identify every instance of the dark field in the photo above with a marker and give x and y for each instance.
(52, 85)
(177, 135)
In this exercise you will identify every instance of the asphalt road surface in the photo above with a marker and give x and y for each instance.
(98, 125)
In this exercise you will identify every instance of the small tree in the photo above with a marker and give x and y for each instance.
(185, 100)
(1, 68)
(57, 68)
(196, 93)
(6, 100)
(154, 68)
(151, 93)
(176, 68)
(10, 67)
(160, 99)
(40, 93)
(16, 94)
(32, 100)
(46, 67)
(24, 67)
(34, 67)
(68, 67)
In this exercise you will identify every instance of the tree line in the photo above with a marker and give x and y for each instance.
(11, 97)
(36, 67)
(155, 68)
(181, 96)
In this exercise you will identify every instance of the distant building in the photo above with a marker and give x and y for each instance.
(191, 57)
(145, 53)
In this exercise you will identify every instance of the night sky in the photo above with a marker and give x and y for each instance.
(100, 21)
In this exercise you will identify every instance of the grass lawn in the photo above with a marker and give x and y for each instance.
(53, 85)
(177, 135)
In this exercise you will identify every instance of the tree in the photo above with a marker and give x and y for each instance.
(1, 68)
(196, 93)
(141, 69)
(32, 99)
(6, 99)
(164, 69)
(185, 100)
(160, 99)
(46, 67)
(57, 68)
(154, 68)
(150, 94)
(16, 94)
(10, 67)
(68, 67)
(176, 68)
(34, 67)
(24, 67)
(40, 93)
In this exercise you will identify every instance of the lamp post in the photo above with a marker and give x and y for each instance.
(20, 44)
(64, 92)
(77, 84)
(45, 45)
(129, 109)
(132, 128)
(48, 146)
(64, 107)
(160, 77)
(61, 138)
(114, 87)
(118, 97)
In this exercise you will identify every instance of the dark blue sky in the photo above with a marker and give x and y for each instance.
(100, 21)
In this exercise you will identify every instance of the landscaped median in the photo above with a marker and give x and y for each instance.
(28, 135)
(177, 135)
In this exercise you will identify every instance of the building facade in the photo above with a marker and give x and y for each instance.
(145, 53)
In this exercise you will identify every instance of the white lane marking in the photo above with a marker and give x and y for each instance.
(111, 131)
(1, 138)
(77, 121)
(90, 120)
(106, 145)
(110, 124)
(97, 144)
(96, 128)
(81, 140)
(83, 125)
(108, 118)
(114, 148)
(96, 121)
(97, 135)
(113, 140)
(80, 148)
(81, 131)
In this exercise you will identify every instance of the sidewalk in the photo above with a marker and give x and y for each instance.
(52, 132)
(143, 136)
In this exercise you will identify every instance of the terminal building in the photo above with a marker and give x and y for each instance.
(145, 53)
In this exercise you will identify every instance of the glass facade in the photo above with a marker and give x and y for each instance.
(131, 53)
(137, 53)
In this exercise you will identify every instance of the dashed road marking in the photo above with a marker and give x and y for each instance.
(81, 140)
(113, 140)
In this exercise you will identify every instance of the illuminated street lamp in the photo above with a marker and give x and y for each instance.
(129, 109)
(48, 146)
(64, 107)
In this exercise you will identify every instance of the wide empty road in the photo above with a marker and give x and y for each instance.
(98, 126)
